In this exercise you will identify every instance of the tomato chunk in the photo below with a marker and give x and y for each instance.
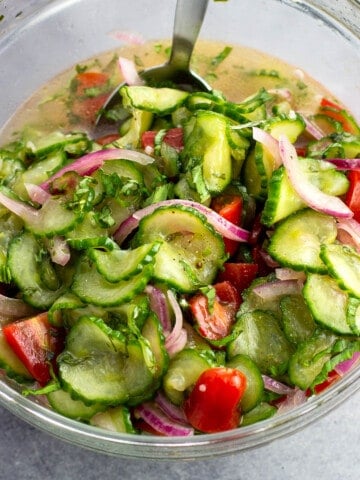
(36, 343)
(214, 321)
(173, 137)
(239, 274)
(213, 404)
(229, 207)
(90, 92)
(352, 198)
(339, 114)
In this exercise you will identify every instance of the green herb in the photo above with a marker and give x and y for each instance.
(221, 56)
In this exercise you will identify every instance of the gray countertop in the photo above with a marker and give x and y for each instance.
(327, 450)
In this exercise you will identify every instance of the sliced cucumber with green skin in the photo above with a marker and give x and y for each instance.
(139, 123)
(184, 370)
(292, 127)
(207, 146)
(263, 341)
(282, 200)
(297, 240)
(91, 287)
(119, 264)
(24, 262)
(40, 145)
(87, 233)
(99, 365)
(61, 402)
(153, 332)
(10, 362)
(116, 419)
(327, 302)
(310, 357)
(161, 101)
(67, 301)
(297, 321)
(254, 381)
(54, 219)
(191, 251)
(343, 263)
(255, 184)
(260, 412)
(353, 314)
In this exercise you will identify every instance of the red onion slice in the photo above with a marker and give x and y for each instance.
(289, 274)
(158, 305)
(160, 422)
(129, 72)
(345, 163)
(270, 143)
(21, 209)
(344, 367)
(91, 162)
(272, 290)
(351, 228)
(312, 129)
(296, 398)
(221, 225)
(275, 386)
(14, 308)
(59, 250)
(309, 193)
(36, 193)
(177, 338)
(171, 410)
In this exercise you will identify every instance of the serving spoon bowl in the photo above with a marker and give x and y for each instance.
(189, 16)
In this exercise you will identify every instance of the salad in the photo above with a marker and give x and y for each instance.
(194, 273)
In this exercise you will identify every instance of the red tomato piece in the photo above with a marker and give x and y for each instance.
(339, 114)
(213, 404)
(215, 323)
(352, 198)
(333, 376)
(36, 343)
(229, 207)
(86, 106)
(148, 139)
(175, 138)
(107, 139)
(239, 274)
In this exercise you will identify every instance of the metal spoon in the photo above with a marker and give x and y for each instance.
(189, 16)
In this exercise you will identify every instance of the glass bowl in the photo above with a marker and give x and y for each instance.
(51, 36)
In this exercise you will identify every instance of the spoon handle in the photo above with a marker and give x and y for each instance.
(188, 20)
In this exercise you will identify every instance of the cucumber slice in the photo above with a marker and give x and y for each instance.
(191, 251)
(61, 402)
(327, 302)
(282, 199)
(260, 412)
(99, 366)
(40, 145)
(91, 287)
(254, 381)
(297, 240)
(184, 370)
(353, 315)
(343, 263)
(153, 332)
(310, 357)
(297, 321)
(161, 101)
(263, 341)
(119, 264)
(24, 262)
(54, 219)
(87, 233)
(256, 185)
(115, 419)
